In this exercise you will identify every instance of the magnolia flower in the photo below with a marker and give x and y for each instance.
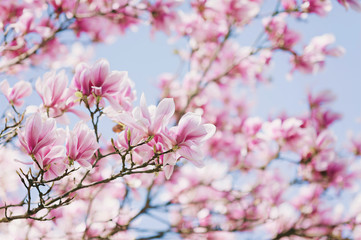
(125, 97)
(241, 11)
(81, 144)
(279, 33)
(14, 95)
(82, 79)
(52, 88)
(132, 137)
(52, 160)
(320, 7)
(278, 129)
(163, 15)
(57, 98)
(38, 133)
(314, 54)
(25, 24)
(321, 98)
(98, 80)
(186, 139)
(149, 120)
(355, 144)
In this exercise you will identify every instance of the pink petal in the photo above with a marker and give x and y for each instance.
(100, 71)
(163, 113)
(192, 153)
(144, 108)
(168, 171)
(210, 129)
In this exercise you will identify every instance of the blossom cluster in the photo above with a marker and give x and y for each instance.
(87, 162)
(42, 140)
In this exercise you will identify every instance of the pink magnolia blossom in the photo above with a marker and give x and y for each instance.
(25, 24)
(52, 88)
(248, 70)
(38, 133)
(123, 100)
(63, 6)
(324, 118)
(325, 140)
(329, 169)
(81, 144)
(242, 12)
(321, 98)
(288, 132)
(279, 33)
(320, 7)
(149, 120)
(314, 54)
(98, 28)
(52, 160)
(289, 5)
(57, 98)
(132, 137)
(163, 15)
(82, 79)
(190, 129)
(316, 142)
(316, 214)
(15, 94)
(10, 11)
(102, 28)
(252, 126)
(97, 80)
(355, 145)
(201, 30)
(187, 138)
(19, 46)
